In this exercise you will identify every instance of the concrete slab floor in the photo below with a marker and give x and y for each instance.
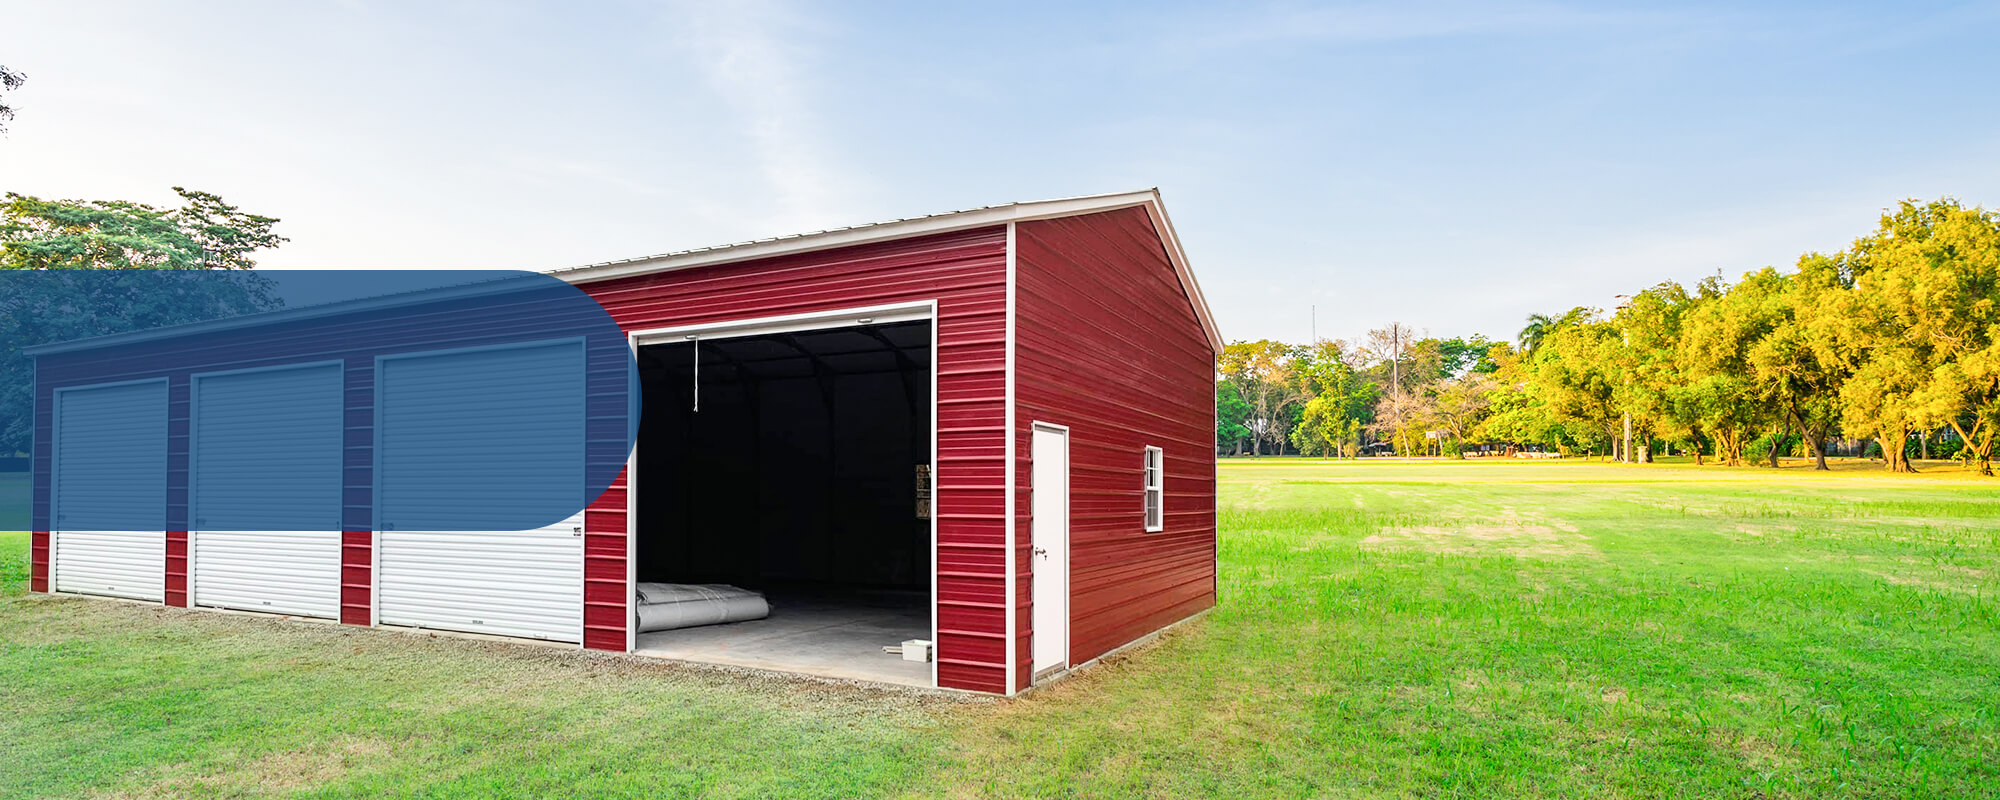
(828, 636)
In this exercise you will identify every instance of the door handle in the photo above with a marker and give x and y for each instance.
(1041, 551)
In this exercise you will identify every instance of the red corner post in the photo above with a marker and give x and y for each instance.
(38, 561)
(177, 569)
(357, 564)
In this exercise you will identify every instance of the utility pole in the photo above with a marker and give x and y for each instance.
(1625, 453)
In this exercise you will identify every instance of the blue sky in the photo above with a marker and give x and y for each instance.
(1451, 166)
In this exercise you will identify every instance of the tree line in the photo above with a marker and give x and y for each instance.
(1895, 340)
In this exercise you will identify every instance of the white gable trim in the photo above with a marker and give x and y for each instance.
(920, 226)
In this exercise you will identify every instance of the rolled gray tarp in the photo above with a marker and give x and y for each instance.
(667, 606)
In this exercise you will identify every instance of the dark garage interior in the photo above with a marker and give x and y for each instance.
(788, 465)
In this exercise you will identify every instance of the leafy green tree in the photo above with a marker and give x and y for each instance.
(1261, 374)
(1787, 361)
(1458, 406)
(1230, 414)
(1919, 328)
(1718, 390)
(1576, 374)
(73, 270)
(1538, 327)
(1330, 423)
(204, 233)
(1649, 329)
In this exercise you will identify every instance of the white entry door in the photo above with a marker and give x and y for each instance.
(1050, 507)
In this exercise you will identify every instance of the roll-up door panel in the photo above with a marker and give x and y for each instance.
(266, 479)
(481, 440)
(513, 583)
(466, 442)
(281, 572)
(110, 481)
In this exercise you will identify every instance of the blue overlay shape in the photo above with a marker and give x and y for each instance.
(442, 400)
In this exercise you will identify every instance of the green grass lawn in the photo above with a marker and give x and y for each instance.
(1387, 629)
(14, 503)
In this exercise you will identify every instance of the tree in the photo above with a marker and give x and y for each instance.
(1574, 374)
(1390, 348)
(1788, 361)
(9, 81)
(1649, 327)
(1918, 328)
(205, 233)
(1457, 406)
(1230, 414)
(1719, 391)
(1330, 423)
(1537, 328)
(1541, 325)
(1261, 373)
(72, 270)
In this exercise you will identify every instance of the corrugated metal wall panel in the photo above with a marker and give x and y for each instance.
(110, 493)
(1109, 345)
(605, 591)
(177, 569)
(357, 580)
(38, 561)
(966, 273)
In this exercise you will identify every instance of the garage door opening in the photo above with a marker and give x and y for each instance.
(787, 472)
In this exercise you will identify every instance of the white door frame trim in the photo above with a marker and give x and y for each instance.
(763, 326)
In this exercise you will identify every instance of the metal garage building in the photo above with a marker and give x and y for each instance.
(989, 429)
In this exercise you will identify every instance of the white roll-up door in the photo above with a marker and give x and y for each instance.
(506, 583)
(461, 434)
(110, 494)
(266, 490)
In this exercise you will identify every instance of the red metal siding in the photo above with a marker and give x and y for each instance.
(177, 569)
(966, 273)
(1108, 344)
(357, 582)
(38, 561)
(604, 568)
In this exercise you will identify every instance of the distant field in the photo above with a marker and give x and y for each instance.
(1388, 628)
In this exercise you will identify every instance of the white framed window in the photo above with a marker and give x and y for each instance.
(1156, 490)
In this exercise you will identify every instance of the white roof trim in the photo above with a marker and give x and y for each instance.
(918, 226)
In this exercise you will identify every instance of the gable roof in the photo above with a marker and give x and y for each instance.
(894, 229)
